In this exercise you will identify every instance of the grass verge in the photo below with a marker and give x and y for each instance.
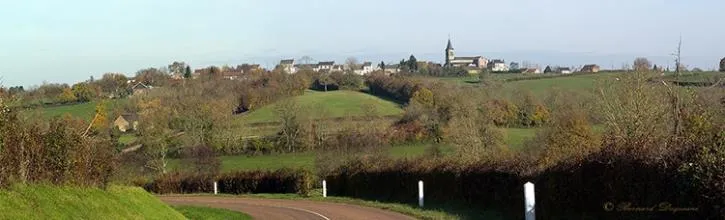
(205, 213)
(65, 202)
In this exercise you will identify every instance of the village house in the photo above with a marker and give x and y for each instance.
(366, 68)
(140, 88)
(288, 66)
(392, 68)
(590, 68)
(126, 122)
(324, 66)
(498, 66)
(531, 71)
(557, 69)
(452, 60)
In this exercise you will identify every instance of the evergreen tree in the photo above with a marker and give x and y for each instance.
(412, 63)
(382, 65)
(187, 72)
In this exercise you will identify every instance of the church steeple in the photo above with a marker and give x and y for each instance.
(450, 54)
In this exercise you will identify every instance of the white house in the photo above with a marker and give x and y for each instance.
(366, 68)
(324, 66)
(288, 66)
(498, 66)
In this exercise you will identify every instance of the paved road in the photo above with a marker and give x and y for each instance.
(278, 209)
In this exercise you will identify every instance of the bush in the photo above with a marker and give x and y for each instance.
(54, 152)
(279, 181)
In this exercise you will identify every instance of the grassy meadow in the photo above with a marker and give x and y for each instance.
(84, 111)
(332, 104)
(515, 138)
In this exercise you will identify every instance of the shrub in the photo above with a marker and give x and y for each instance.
(279, 181)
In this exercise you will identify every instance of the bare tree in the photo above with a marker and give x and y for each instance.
(641, 64)
(351, 63)
(678, 57)
(306, 59)
(289, 114)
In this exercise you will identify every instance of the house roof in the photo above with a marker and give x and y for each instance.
(140, 85)
(590, 66)
(326, 63)
(287, 62)
(129, 117)
(367, 64)
(530, 70)
(498, 61)
(466, 58)
(311, 66)
(564, 68)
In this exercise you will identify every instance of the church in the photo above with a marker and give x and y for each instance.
(453, 61)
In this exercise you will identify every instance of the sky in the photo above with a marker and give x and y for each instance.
(69, 41)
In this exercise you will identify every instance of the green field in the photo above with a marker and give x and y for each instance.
(63, 202)
(204, 213)
(515, 138)
(84, 111)
(575, 83)
(331, 104)
(126, 139)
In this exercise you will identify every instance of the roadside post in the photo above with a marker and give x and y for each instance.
(420, 193)
(529, 201)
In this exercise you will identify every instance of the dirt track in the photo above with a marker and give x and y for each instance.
(278, 209)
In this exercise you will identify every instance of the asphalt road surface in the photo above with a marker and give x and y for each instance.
(279, 209)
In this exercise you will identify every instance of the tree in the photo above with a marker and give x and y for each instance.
(514, 66)
(382, 65)
(654, 68)
(67, 96)
(113, 84)
(641, 64)
(548, 69)
(722, 65)
(82, 92)
(351, 63)
(152, 77)
(187, 72)
(289, 114)
(177, 68)
(678, 57)
(306, 59)
(412, 63)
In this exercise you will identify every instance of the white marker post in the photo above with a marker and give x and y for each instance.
(529, 201)
(420, 193)
(215, 188)
(324, 188)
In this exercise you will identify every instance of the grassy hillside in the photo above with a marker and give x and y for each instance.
(53, 202)
(329, 105)
(84, 111)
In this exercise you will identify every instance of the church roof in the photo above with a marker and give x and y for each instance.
(450, 46)
(466, 58)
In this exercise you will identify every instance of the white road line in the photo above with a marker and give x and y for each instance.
(273, 206)
(308, 211)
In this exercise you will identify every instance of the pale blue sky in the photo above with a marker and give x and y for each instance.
(68, 41)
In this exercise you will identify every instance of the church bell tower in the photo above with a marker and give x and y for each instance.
(450, 54)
